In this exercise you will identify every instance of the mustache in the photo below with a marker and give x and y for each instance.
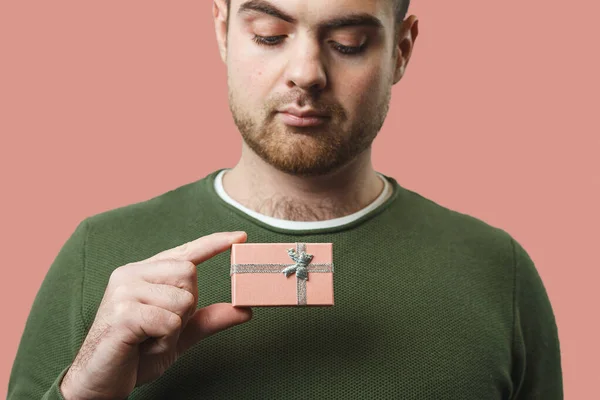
(304, 99)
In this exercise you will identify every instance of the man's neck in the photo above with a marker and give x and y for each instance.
(268, 191)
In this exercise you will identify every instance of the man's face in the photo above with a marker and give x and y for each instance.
(289, 57)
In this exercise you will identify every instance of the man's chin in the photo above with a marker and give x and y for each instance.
(295, 164)
(301, 152)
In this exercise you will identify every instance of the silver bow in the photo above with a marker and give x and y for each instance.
(302, 259)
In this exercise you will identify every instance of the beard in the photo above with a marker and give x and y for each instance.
(309, 151)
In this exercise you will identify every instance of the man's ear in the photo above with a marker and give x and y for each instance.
(220, 17)
(407, 35)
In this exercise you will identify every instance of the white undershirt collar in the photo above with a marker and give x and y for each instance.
(303, 225)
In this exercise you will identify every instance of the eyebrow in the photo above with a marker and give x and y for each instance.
(354, 19)
(265, 7)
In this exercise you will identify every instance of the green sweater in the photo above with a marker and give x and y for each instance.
(429, 304)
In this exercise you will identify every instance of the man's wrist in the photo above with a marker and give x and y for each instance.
(71, 392)
(64, 389)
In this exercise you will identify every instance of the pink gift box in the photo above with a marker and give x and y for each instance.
(282, 274)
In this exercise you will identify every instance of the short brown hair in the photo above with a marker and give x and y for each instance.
(401, 9)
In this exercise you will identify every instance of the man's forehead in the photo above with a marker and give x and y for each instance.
(313, 10)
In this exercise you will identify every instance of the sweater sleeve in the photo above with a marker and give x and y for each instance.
(54, 330)
(537, 372)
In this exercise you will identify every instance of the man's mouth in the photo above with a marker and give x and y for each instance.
(297, 117)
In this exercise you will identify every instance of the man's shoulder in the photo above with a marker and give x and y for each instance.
(151, 210)
(139, 230)
(452, 228)
(163, 220)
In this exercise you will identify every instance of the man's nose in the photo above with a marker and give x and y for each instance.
(305, 67)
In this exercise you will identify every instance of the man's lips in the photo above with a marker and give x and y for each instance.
(302, 118)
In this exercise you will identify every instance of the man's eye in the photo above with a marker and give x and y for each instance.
(349, 50)
(268, 40)
(275, 40)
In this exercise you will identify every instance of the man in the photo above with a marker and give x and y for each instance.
(429, 303)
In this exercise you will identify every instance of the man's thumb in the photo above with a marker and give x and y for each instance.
(209, 320)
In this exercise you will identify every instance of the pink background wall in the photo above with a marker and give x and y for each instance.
(103, 104)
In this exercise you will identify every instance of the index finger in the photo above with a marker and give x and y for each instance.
(201, 249)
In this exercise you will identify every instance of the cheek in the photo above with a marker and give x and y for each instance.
(246, 79)
(249, 74)
(361, 89)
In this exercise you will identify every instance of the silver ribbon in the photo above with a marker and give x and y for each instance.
(301, 268)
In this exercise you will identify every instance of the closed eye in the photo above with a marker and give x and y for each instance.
(276, 40)
(268, 40)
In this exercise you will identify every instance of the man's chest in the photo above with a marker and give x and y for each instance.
(398, 330)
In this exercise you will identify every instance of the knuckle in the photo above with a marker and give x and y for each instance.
(121, 273)
(116, 275)
(122, 312)
(167, 263)
(120, 292)
(188, 300)
(174, 322)
(183, 250)
(189, 270)
(151, 317)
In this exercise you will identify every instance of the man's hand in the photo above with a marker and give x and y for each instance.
(146, 319)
